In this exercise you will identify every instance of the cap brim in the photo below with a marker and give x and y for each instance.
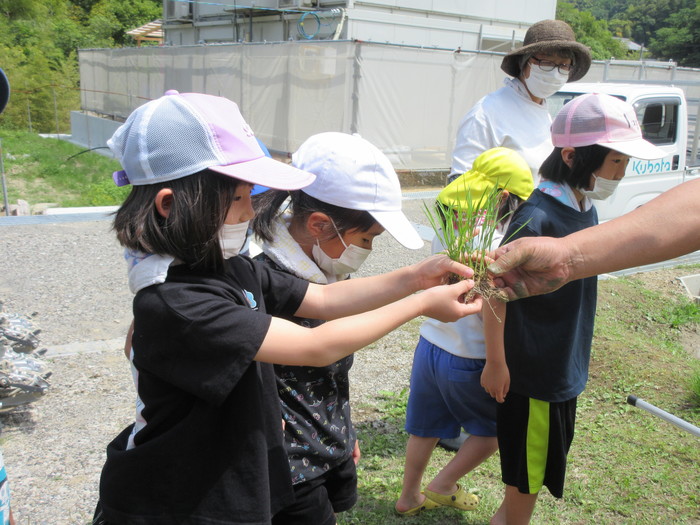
(396, 223)
(639, 149)
(269, 173)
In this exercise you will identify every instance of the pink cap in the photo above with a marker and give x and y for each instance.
(180, 134)
(605, 120)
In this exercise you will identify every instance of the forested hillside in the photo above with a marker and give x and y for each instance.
(668, 29)
(39, 40)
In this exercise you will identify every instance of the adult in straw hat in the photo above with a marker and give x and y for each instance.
(515, 116)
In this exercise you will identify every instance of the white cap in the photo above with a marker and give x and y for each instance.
(352, 173)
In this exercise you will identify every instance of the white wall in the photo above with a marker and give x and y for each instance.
(516, 12)
(430, 23)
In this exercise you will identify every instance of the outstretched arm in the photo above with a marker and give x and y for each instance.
(665, 227)
(354, 296)
(287, 343)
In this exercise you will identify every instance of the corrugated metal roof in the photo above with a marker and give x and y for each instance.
(153, 31)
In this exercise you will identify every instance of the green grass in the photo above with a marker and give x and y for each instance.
(626, 466)
(694, 385)
(40, 170)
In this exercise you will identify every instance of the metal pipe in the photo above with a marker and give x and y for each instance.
(4, 184)
(680, 423)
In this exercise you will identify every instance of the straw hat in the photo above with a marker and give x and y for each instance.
(551, 37)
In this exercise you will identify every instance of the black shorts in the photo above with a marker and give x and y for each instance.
(534, 438)
(318, 499)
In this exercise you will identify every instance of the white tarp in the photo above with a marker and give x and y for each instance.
(406, 100)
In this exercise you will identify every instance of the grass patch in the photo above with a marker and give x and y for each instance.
(626, 466)
(50, 170)
(694, 385)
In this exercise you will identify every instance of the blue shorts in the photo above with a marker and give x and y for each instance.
(446, 394)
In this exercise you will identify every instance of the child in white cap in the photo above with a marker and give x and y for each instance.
(538, 349)
(207, 446)
(446, 394)
(324, 234)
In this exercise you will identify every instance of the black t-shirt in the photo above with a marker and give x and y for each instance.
(211, 451)
(548, 337)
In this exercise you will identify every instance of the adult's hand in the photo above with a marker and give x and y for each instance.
(665, 227)
(532, 266)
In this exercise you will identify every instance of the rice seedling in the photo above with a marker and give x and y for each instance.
(468, 230)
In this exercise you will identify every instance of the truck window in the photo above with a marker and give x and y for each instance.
(658, 118)
(556, 101)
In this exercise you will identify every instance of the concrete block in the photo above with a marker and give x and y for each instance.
(692, 286)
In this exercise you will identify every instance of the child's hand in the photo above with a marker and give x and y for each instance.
(495, 378)
(356, 452)
(481, 257)
(447, 303)
(436, 270)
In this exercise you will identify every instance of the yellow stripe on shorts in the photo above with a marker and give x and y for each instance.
(537, 443)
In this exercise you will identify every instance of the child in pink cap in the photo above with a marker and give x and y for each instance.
(538, 349)
(206, 446)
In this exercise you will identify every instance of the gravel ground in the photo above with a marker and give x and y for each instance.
(70, 276)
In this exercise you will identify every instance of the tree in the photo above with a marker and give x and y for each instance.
(113, 18)
(681, 40)
(13, 9)
(39, 40)
(649, 16)
(601, 9)
(591, 32)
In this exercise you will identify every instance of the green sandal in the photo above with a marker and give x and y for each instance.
(460, 499)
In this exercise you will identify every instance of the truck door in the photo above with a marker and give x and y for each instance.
(659, 118)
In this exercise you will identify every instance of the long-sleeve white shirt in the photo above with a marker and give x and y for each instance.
(508, 118)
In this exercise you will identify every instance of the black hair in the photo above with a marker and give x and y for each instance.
(505, 210)
(587, 159)
(508, 207)
(190, 232)
(267, 207)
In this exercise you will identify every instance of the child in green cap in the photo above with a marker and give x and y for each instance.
(446, 394)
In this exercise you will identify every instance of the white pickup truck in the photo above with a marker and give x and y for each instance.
(663, 114)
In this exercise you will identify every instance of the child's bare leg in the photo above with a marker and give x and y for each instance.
(418, 452)
(499, 518)
(474, 451)
(516, 509)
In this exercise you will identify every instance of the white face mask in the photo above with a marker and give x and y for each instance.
(232, 237)
(543, 84)
(349, 261)
(602, 188)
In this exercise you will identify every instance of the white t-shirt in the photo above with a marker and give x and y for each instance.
(508, 118)
(464, 337)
